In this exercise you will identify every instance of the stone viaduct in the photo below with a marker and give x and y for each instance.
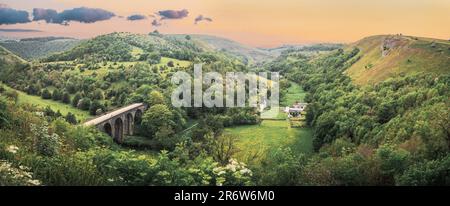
(119, 122)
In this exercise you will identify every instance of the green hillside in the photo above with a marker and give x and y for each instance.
(385, 56)
(34, 48)
(129, 47)
(245, 53)
(9, 62)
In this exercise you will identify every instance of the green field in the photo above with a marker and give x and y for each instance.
(294, 93)
(255, 141)
(38, 101)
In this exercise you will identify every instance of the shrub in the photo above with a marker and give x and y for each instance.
(46, 144)
(84, 104)
(71, 118)
(12, 95)
(66, 98)
(67, 170)
(431, 173)
(16, 176)
(76, 99)
(46, 94)
(56, 95)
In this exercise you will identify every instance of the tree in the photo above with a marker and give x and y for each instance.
(223, 148)
(56, 95)
(155, 98)
(95, 106)
(165, 137)
(66, 98)
(392, 162)
(155, 118)
(46, 94)
(430, 173)
(46, 144)
(84, 104)
(282, 167)
(12, 95)
(76, 99)
(170, 64)
(98, 95)
(188, 37)
(154, 58)
(4, 114)
(71, 118)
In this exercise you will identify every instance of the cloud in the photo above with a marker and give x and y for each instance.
(202, 18)
(49, 15)
(19, 30)
(156, 23)
(85, 15)
(12, 16)
(136, 17)
(173, 14)
(82, 14)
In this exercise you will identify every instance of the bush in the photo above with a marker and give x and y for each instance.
(16, 176)
(56, 95)
(46, 144)
(140, 142)
(12, 95)
(76, 99)
(84, 104)
(431, 173)
(86, 138)
(46, 94)
(154, 58)
(4, 114)
(96, 108)
(71, 170)
(66, 98)
(71, 118)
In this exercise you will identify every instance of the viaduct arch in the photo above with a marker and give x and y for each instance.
(119, 122)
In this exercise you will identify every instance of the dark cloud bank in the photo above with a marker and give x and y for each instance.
(169, 15)
(85, 15)
(173, 14)
(12, 16)
(82, 14)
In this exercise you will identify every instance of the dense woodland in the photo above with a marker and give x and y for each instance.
(395, 132)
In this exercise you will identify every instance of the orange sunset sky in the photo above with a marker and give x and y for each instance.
(262, 23)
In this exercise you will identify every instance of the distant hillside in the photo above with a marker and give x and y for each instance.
(383, 56)
(34, 48)
(304, 49)
(128, 47)
(246, 53)
(9, 63)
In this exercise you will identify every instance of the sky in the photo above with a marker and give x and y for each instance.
(259, 23)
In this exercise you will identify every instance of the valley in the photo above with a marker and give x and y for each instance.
(377, 112)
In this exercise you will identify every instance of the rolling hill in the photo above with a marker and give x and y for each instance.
(35, 48)
(122, 46)
(246, 53)
(130, 47)
(384, 56)
(9, 63)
